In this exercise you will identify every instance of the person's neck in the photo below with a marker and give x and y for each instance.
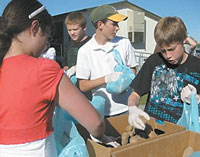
(82, 39)
(14, 50)
(184, 58)
(100, 39)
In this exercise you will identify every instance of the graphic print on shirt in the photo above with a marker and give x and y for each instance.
(165, 102)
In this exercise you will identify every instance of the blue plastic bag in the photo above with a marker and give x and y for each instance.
(98, 102)
(195, 154)
(68, 140)
(125, 79)
(190, 116)
(73, 79)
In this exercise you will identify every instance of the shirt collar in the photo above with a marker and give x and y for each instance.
(108, 47)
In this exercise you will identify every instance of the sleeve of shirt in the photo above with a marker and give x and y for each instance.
(82, 65)
(49, 76)
(142, 82)
(130, 59)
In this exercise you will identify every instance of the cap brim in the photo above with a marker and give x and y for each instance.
(117, 17)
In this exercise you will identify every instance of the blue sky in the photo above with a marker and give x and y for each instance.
(188, 10)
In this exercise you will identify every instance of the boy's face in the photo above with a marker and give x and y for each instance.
(110, 29)
(174, 53)
(76, 32)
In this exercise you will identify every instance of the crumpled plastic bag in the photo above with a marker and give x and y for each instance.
(190, 115)
(73, 79)
(125, 79)
(68, 140)
(195, 154)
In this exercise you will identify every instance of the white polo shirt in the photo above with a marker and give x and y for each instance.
(95, 61)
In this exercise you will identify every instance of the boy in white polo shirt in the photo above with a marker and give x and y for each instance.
(95, 61)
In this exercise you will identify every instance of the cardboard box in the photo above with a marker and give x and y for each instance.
(172, 145)
(115, 126)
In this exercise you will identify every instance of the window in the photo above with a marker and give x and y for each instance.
(138, 37)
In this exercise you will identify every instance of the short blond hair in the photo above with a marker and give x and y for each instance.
(75, 18)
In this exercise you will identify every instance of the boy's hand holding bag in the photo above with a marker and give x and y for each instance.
(190, 115)
(123, 80)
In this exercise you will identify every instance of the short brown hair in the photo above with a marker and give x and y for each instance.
(170, 30)
(75, 18)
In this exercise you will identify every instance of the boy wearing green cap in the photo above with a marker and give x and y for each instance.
(95, 61)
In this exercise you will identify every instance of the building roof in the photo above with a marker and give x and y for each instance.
(124, 2)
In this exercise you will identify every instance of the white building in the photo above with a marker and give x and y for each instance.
(139, 28)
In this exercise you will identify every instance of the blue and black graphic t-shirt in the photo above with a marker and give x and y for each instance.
(164, 83)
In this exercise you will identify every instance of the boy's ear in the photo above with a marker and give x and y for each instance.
(100, 24)
(35, 25)
(185, 41)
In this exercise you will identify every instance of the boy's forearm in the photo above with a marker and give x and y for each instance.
(133, 99)
(86, 85)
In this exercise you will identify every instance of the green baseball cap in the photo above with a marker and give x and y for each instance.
(106, 11)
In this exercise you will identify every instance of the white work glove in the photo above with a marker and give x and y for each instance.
(134, 117)
(187, 92)
(107, 140)
(71, 71)
(112, 77)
